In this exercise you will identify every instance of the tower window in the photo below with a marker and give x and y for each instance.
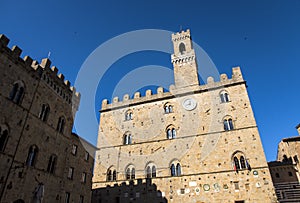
(83, 177)
(127, 138)
(148, 172)
(236, 163)
(44, 112)
(242, 161)
(3, 137)
(224, 97)
(130, 172)
(108, 175)
(133, 173)
(86, 156)
(51, 164)
(111, 174)
(277, 175)
(74, 149)
(61, 124)
(168, 108)
(67, 197)
(70, 173)
(128, 175)
(114, 175)
(128, 115)
(182, 48)
(32, 154)
(175, 169)
(151, 171)
(171, 133)
(239, 162)
(228, 124)
(17, 92)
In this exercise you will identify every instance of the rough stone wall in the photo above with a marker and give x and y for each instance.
(202, 147)
(284, 173)
(42, 85)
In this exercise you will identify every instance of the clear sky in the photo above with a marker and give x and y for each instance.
(260, 36)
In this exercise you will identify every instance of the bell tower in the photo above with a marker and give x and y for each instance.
(184, 60)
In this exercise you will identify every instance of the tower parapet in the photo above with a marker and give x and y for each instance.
(48, 74)
(184, 60)
(160, 94)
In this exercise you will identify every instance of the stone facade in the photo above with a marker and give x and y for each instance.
(36, 140)
(285, 170)
(197, 143)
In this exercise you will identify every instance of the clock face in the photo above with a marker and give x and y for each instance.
(189, 104)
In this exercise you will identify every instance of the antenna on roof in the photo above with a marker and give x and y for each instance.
(180, 28)
(49, 53)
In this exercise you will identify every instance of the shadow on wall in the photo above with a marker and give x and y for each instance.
(144, 192)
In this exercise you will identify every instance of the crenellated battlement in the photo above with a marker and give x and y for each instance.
(160, 94)
(181, 35)
(50, 75)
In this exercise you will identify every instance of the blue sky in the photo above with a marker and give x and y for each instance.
(260, 36)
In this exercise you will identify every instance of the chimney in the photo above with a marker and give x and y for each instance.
(298, 128)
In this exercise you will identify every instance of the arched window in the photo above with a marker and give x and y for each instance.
(32, 154)
(168, 108)
(111, 174)
(242, 161)
(181, 48)
(3, 137)
(178, 169)
(239, 162)
(150, 171)
(236, 163)
(61, 124)
(171, 132)
(51, 164)
(127, 138)
(114, 175)
(130, 172)
(108, 175)
(133, 173)
(17, 92)
(228, 124)
(44, 112)
(224, 97)
(175, 168)
(153, 171)
(128, 115)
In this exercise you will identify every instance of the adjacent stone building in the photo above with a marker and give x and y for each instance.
(41, 159)
(285, 170)
(197, 142)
